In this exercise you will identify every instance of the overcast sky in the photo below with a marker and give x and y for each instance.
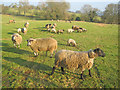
(74, 4)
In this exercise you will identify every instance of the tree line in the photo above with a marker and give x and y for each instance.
(59, 10)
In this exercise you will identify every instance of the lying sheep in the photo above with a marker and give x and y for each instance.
(70, 30)
(17, 39)
(84, 30)
(26, 24)
(42, 44)
(60, 31)
(12, 21)
(71, 41)
(73, 60)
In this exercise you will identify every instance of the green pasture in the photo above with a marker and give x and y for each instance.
(20, 69)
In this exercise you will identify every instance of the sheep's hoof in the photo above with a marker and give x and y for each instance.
(63, 73)
(50, 56)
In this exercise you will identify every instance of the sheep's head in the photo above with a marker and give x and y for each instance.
(91, 54)
(99, 52)
(30, 41)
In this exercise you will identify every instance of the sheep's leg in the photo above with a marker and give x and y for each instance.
(52, 71)
(51, 54)
(90, 73)
(62, 69)
(36, 53)
(82, 76)
(46, 53)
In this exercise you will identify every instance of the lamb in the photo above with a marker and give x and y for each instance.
(71, 41)
(70, 30)
(42, 44)
(12, 21)
(84, 30)
(73, 60)
(26, 24)
(60, 31)
(55, 24)
(17, 39)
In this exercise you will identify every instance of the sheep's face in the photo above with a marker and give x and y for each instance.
(99, 52)
(14, 37)
(30, 42)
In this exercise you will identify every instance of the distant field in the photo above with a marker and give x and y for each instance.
(21, 69)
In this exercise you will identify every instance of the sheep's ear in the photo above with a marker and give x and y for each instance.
(91, 54)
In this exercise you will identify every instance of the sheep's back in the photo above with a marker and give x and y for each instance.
(46, 44)
(71, 59)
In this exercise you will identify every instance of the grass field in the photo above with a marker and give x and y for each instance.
(21, 69)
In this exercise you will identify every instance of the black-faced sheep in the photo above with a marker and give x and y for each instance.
(17, 39)
(60, 31)
(24, 30)
(26, 24)
(71, 41)
(73, 60)
(42, 44)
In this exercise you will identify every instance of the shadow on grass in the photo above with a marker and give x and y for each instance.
(28, 64)
(15, 50)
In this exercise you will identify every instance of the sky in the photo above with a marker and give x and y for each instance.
(74, 4)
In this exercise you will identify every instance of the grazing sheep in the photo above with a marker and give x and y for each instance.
(12, 21)
(17, 39)
(53, 30)
(84, 30)
(26, 24)
(19, 30)
(70, 30)
(79, 30)
(24, 30)
(71, 41)
(73, 60)
(60, 31)
(42, 44)
(55, 24)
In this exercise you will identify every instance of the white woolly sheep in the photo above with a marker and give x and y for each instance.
(53, 30)
(17, 39)
(73, 60)
(42, 44)
(70, 30)
(71, 41)
(19, 30)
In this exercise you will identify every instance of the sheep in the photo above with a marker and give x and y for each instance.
(71, 41)
(73, 60)
(60, 31)
(26, 24)
(53, 30)
(84, 30)
(24, 30)
(17, 39)
(70, 30)
(42, 44)
(19, 30)
(12, 21)
(79, 30)
(55, 24)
